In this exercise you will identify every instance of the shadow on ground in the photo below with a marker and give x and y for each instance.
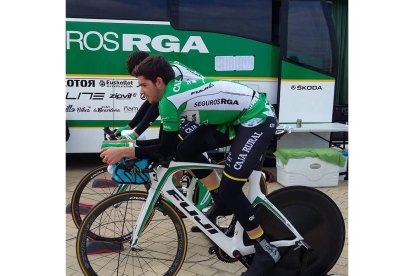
(82, 160)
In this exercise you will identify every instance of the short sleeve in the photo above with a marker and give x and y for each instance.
(169, 115)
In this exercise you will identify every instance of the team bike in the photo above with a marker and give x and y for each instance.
(304, 223)
(100, 183)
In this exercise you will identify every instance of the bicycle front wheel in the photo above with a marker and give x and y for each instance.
(161, 248)
(317, 218)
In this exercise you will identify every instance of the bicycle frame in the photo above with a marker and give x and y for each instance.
(122, 187)
(162, 184)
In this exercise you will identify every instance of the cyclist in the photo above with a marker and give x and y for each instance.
(222, 109)
(147, 113)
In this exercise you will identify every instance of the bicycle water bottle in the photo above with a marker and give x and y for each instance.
(117, 145)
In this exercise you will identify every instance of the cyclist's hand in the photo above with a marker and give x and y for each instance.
(113, 155)
(119, 130)
(129, 136)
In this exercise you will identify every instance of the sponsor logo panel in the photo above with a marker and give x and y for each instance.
(80, 83)
(110, 41)
(307, 87)
(106, 109)
(116, 83)
(216, 102)
(131, 109)
(89, 109)
(101, 98)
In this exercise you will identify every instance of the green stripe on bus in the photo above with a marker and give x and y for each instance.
(103, 123)
(293, 71)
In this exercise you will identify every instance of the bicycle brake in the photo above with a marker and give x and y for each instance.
(302, 244)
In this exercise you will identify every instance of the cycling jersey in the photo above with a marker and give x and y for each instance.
(183, 72)
(208, 101)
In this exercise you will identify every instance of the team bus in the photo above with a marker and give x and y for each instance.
(285, 49)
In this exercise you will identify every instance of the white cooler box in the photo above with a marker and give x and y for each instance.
(307, 171)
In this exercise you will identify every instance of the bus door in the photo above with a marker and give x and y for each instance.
(308, 62)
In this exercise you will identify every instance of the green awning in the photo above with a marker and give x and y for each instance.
(326, 154)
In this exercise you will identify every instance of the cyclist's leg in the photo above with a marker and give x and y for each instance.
(245, 155)
(200, 140)
(186, 128)
(191, 149)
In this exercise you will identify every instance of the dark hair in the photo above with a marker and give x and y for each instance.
(134, 59)
(153, 67)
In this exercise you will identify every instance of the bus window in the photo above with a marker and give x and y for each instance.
(118, 9)
(250, 19)
(308, 36)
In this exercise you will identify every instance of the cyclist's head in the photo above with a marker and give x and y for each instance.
(153, 67)
(153, 75)
(134, 59)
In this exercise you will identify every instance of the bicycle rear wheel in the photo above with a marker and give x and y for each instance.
(317, 218)
(91, 189)
(162, 246)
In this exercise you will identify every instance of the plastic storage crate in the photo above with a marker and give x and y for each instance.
(308, 170)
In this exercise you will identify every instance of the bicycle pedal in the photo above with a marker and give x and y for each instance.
(212, 249)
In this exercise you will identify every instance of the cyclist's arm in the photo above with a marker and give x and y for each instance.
(151, 114)
(167, 146)
(150, 142)
(140, 114)
(168, 134)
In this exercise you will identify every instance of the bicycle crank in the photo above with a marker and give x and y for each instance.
(222, 256)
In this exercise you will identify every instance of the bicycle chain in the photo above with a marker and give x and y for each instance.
(222, 256)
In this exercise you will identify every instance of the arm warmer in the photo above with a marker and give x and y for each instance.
(144, 117)
(144, 143)
(141, 112)
(150, 142)
(167, 146)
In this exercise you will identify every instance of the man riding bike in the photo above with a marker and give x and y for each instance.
(228, 113)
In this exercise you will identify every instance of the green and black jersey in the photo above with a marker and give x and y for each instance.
(213, 102)
(206, 101)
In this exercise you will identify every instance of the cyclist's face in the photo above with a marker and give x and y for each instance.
(152, 91)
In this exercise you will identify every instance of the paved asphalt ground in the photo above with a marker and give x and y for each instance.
(198, 261)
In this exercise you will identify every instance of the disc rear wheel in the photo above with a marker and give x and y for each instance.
(317, 218)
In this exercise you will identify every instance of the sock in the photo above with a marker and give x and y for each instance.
(258, 237)
(214, 189)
